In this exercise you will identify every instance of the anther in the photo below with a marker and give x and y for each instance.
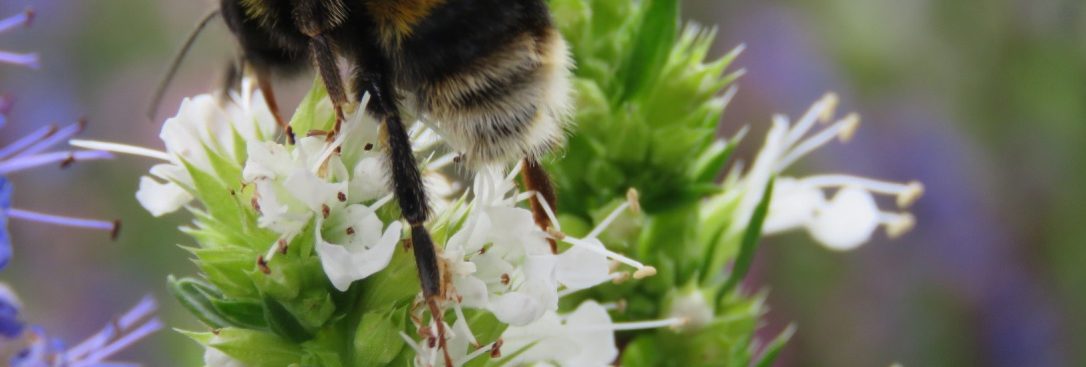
(496, 350)
(913, 191)
(342, 197)
(620, 277)
(290, 135)
(116, 231)
(368, 147)
(263, 265)
(644, 272)
(350, 231)
(830, 100)
(283, 246)
(255, 202)
(555, 234)
(506, 279)
(634, 198)
(67, 162)
(849, 125)
(325, 211)
(901, 225)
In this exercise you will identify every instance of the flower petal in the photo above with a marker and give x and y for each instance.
(792, 206)
(161, 198)
(847, 221)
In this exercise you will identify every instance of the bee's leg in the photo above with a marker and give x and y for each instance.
(325, 58)
(263, 82)
(372, 77)
(536, 179)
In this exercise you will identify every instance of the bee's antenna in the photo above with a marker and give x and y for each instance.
(178, 57)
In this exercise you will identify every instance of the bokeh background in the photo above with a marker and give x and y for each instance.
(983, 101)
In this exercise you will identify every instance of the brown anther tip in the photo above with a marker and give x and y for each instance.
(506, 279)
(350, 231)
(339, 150)
(496, 350)
(325, 211)
(67, 162)
(30, 15)
(368, 147)
(82, 124)
(255, 203)
(342, 197)
(263, 265)
(556, 234)
(116, 231)
(425, 332)
(407, 244)
(216, 331)
(283, 246)
(290, 135)
(459, 158)
(432, 342)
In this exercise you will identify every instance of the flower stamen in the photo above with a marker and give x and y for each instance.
(120, 148)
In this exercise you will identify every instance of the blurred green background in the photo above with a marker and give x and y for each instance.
(983, 101)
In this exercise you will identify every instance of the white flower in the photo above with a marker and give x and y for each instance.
(355, 247)
(583, 338)
(501, 261)
(202, 126)
(843, 223)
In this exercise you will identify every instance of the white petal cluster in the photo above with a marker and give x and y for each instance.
(585, 337)
(844, 221)
(204, 125)
(336, 186)
(501, 261)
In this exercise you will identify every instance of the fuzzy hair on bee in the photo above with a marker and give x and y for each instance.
(491, 76)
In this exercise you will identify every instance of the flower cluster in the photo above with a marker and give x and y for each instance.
(300, 246)
(24, 345)
(842, 223)
(318, 203)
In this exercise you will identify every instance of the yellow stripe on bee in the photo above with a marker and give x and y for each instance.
(397, 18)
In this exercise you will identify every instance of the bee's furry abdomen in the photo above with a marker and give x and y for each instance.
(492, 75)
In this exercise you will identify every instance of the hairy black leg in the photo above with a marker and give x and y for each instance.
(536, 179)
(373, 77)
(325, 58)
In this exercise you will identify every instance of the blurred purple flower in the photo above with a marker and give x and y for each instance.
(22, 346)
(29, 152)
(23, 19)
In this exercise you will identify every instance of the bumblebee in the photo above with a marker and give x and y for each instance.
(492, 76)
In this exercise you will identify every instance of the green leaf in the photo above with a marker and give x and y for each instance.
(711, 162)
(751, 235)
(255, 348)
(773, 349)
(283, 322)
(197, 297)
(314, 112)
(653, 43)
(377, 339)
(247, 314)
